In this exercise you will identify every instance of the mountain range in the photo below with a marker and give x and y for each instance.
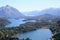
(52, 11)
(11, 12)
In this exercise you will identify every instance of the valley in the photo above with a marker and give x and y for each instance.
(13, 22)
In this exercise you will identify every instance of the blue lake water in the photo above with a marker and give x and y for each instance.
(15, 22)
(41, 34)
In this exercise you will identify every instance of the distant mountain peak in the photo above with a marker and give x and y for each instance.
(7, 5)
(10, 12)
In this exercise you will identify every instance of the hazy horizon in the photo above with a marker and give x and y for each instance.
(31, 5)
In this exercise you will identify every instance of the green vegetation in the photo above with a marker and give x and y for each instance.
(56, 31)
(23, 28)
(3, 22)
(11, 33)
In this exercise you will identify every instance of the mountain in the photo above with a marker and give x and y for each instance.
(47, 14)
(46, 17)
(52, 11)
(10, 12)
(42, 17)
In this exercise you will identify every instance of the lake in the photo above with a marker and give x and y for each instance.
(17, 22)
(41, 34)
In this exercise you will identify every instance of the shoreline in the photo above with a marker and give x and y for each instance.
(27, 32)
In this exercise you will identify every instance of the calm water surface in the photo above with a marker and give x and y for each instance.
(41, 34)
(15, 22)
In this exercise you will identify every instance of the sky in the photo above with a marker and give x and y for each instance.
(31, 5)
